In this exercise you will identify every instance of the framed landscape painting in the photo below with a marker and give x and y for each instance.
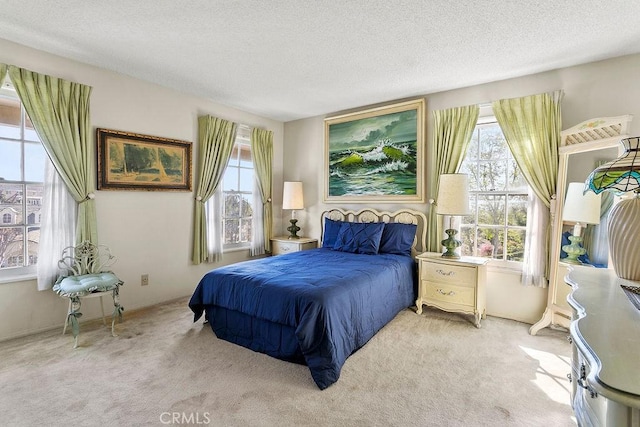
(376, 155)
(130, 161)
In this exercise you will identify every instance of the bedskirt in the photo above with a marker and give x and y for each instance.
(274, 339)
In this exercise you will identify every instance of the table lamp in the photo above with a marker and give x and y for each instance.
(582, 209)
(292, 198)
(453, 200)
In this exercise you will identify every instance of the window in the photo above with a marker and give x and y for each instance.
(22, 161)
(237, 193)
(498, 197)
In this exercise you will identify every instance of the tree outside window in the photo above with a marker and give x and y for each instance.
(498, 198)
(237, 194)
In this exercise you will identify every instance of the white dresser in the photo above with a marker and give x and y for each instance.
(605, 334)
(456, 285)
(284, 245)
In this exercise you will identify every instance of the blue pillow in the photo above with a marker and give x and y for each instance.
(331, 229)
(359, 237)
(397, 238)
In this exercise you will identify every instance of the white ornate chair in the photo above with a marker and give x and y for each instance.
(85, 275)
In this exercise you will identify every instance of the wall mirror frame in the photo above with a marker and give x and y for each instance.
(595, 134)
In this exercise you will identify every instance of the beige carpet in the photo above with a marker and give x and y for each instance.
(435, 369)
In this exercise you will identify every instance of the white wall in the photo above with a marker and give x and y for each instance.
(606, 88)
(150, 232)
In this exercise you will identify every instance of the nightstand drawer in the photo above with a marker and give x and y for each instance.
(284, 247)
(448, 274)
(456, 285)
(459, 295)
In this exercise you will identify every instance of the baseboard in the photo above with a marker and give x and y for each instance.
(85, 321)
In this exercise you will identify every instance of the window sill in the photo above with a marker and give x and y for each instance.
(505, 267)
(236, 249)
(14, 278)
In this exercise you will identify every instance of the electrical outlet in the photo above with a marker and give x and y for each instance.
(144, 280)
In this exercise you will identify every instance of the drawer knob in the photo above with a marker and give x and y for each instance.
(441, 292)
(445, 273)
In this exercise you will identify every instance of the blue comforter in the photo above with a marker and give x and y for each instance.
(336, 301)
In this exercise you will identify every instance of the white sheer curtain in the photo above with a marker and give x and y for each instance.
(213, 212)
(57, 226)
(257, 234)
(535, 253)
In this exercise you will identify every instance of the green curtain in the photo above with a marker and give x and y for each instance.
(3, 72)
(451, 136)
(262, 151)
(531, 126)
(216, 138)
(59, 111)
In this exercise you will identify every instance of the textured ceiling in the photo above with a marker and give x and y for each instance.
(291, 59)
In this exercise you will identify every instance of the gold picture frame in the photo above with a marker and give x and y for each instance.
(131, 161)
(376, 155)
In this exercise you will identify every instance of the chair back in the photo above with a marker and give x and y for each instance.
(85, 258)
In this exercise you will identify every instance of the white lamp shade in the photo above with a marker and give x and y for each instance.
(580, 207)
(292, 197)
(453, 194)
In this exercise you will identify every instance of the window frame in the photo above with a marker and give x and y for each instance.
(29, 271)
(516, 266)
(243, 139)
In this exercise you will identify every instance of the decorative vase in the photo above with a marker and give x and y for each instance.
(624, 238)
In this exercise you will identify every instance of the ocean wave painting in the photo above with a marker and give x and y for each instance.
(376, 156)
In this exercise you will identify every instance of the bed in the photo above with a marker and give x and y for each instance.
(317, 307)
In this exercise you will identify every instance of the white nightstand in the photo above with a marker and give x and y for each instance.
(284, 245)
(456, 285)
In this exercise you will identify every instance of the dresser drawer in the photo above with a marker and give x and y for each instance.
(448, 274)
(450, 294)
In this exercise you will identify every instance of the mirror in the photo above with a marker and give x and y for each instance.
(595, 239)
(582, 148)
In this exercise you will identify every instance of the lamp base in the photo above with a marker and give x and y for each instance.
(574, 250)
(450, 243)
(293, 229)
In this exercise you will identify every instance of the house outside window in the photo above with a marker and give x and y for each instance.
(498, 197)
(237, 193)
(22, 163)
